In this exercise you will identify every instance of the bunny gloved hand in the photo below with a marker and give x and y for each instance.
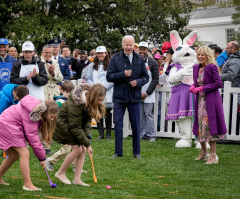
(176, 76)
(196, 90)
(188, 70)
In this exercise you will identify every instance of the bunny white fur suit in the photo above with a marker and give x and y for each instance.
(186, 58)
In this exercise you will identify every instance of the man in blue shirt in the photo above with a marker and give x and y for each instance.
(6, 63)
(63, 63)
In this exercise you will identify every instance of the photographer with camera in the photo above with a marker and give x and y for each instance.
(79, 65)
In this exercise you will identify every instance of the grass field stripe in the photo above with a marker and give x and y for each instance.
(31, 178)
(149, 182)
(47, 196)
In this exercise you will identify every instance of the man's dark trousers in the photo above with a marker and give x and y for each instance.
(134, 116)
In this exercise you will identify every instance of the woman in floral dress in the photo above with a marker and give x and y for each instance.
(209, 124)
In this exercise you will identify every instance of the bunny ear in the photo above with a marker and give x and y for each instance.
(175, 39)
(189, 40)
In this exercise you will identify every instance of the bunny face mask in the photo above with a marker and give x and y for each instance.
(184, 54)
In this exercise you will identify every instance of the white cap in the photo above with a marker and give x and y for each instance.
(143, 44)
(101, 49)
(28, 46)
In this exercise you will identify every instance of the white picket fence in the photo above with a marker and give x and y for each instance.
(228, 91)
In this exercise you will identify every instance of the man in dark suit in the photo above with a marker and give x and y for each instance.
(63, 63)
(128, 72)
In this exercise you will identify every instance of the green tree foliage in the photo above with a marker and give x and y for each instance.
(236, 16)
(161, 17)
(236, 37)
(88, 23)
(6, 9)
(236, 20)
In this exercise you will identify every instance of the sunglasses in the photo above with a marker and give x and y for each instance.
(179, 48)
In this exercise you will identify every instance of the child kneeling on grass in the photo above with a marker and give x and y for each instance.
(66, 88)
(20, 123)
(74, 126)
(11, 94)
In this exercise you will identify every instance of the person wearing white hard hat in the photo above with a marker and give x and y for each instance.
(147, 127)
(96, 73)
(30, 71)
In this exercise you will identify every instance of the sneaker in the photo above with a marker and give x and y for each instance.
(152, 139)
(48, 152)
(49, 166)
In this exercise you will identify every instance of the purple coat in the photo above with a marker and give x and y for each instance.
(212, 82)
(20, 123)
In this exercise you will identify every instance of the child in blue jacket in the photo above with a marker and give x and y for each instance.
(11, 94)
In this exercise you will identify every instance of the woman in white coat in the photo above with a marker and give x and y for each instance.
(97, 74)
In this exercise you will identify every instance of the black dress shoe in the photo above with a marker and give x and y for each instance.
(137, 156)
(116, 156)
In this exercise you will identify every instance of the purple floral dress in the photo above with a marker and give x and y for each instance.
(204, 134)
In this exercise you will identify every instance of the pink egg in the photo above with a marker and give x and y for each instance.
(108, 187)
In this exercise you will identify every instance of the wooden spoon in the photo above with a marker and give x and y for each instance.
(94, 176)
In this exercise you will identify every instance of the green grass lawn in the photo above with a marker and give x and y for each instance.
(163, 172)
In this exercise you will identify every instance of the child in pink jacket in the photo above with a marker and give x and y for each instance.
(20, 123)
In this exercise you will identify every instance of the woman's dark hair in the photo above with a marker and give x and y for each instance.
(159, 52)
(217, 49)
(109, 53)
(22, 91)
(105, 63)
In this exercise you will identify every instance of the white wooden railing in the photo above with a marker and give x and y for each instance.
(228, 91)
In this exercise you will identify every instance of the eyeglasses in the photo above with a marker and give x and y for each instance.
(229, 47)
(179, 48)
(48, 53)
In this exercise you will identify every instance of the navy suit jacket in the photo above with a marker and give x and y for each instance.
(64, 68)
(123, 92)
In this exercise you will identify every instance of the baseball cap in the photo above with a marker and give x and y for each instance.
(28, 46)
(166, 46)
(211, 45)
(54, 42)
(143, 44)
(101, 49)
(4, 41)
